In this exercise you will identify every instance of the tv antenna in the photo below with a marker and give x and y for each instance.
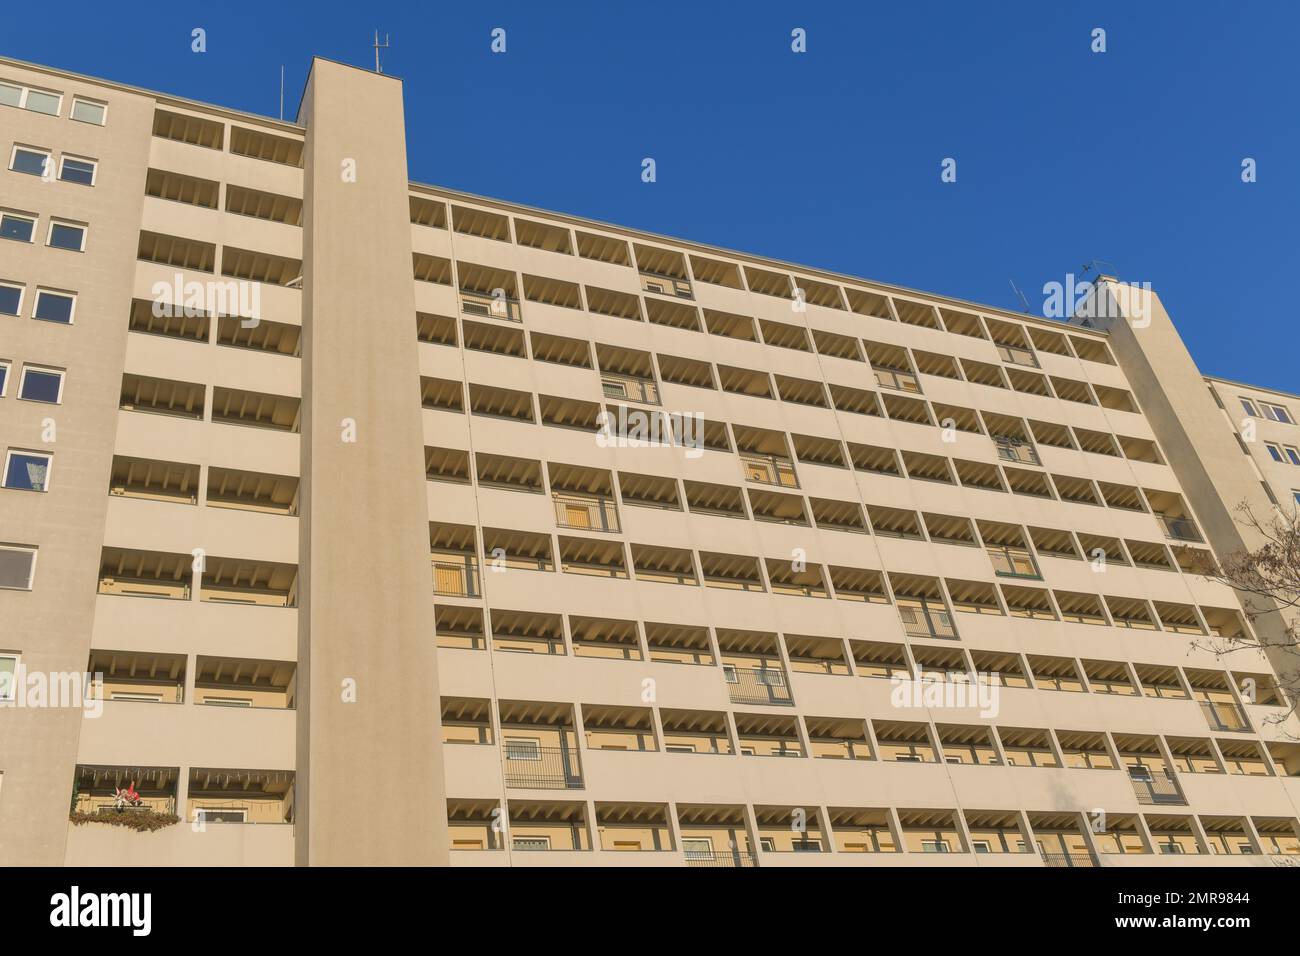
(379, 46)
(1094, 265)
(1023, 301)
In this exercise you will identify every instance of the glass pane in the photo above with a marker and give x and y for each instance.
(88, 112)
(77, 171)
(10, 299)
(13, 227)
(39, 102)
(53, 307)
(29, 161)
(27, 472)
(10, 95)
(41, 386)
(66, 237)
(16, 568)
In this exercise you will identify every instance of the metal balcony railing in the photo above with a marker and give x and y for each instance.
(1180, 529)
(897, 378)
(456, 579)
(1154, 787)
(630, 388)
(925, 622)
(1221, 715)
(1068, 859)
(587, 512)
(752, 685)
(496, 307)
(727, 859)
(541, 768)
(666, 285)
(769, 469)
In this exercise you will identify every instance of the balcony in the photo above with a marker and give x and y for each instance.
(698, 855)
(490, 305)
(630, 388)
(1155, 787)
(925, 621)
(769, 470)
(754, 685)
(585, 512)
(665, 285)
(1068, 859)
(1017, 450)
(534, 767)
(1015, 355)
(455, 576)
(1224, 716)
(1179, 528)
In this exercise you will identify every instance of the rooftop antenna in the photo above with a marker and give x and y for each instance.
(1094, 265)
(1023, 301)
(379, 46)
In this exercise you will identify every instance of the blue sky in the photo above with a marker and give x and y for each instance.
(831, 157)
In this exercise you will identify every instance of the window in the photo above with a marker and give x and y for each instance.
(1292, 453)
(11, 299)
(38, 101)
(27, 470)
(41, 385)
(698, 848)
(88, 111)
(1295, 495)
(16, 226)
(229, 701)
(4, 378)
(223, 815)
(28, 159)
(1274, 452)
(531, 843)
(1277, 413)
(66, 235)
(135, 695)
(934, 846)
(17, 566)
(8, 674)
(54, 306)
(1250, 408)
(523, 748)
(74, 170)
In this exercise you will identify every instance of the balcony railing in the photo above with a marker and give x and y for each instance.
(1155, 787)
(630, 388)
(900, 379)
(1221, 715)
(456, 579)
(1012, 449)
(1180, 529)
(665, 285)
(589, 513)
(726, 859)
(542, 768)
(1068, 859)
(769, 469)
(924, 622)
(752, 685)
(496, 307)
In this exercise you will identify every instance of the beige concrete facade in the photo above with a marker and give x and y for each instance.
(374, 565)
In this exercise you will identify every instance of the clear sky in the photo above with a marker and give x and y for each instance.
(830, 157)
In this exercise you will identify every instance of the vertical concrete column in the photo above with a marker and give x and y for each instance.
(370, 786)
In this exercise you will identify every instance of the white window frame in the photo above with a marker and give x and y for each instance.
(4, 382)
(25, 216)
(67, 223)
(31, 575)
(533, 746)
(1277, 413)
(24, 92)
(72, 315)
(1275, 452)
(13, 688)
(63, 380)
(22, 296)
(135, 696)
(89, 102)
(39, 150)
(704, 852)
(94, 169)
(229, 701)
(1292, 454)
(939, 846)
(1251, 408)
(545, 842)
(29, 453)
(200, 814)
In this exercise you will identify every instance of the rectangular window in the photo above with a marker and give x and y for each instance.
(934, 846)
(523, 748)
(88, 111)
(1274, 451)
(43, 101)
(81, 171)
(1293, 454)
(222, 815)
(66, 235)
(1277, 413)
(8, 674)
(11, 299)
(41, 385)
(27, 470)
(1295, 496)
(15, 226)
(54, 306)
(29, 160)
(4, 378)
(10, 95)
(17, 566)
(531, 843)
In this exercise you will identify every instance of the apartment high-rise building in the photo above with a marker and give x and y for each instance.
(400, 525)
